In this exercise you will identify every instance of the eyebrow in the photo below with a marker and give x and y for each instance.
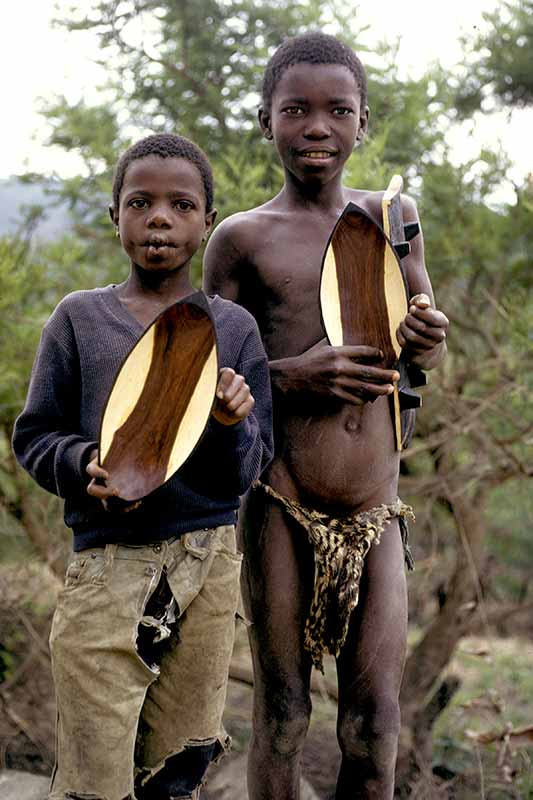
(334, 101)
(300, 100)
(175, 193)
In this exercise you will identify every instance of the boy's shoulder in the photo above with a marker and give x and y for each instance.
(240, 231)
(80, 303)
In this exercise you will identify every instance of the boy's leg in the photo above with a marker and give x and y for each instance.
(277, 587)
(370, 668)
(180, 730)
(100, 679)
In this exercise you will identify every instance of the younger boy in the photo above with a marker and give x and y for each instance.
(143, 630)
(331, 491)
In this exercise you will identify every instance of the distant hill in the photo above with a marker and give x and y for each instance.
(15, 194)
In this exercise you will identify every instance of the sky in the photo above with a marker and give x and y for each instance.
(39, 62)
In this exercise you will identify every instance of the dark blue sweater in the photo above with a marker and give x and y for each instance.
(82, 346)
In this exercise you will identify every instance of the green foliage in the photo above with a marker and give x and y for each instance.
(494, 685)
(195, 68)
(500, 59)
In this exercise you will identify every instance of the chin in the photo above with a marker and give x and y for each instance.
(315, 175)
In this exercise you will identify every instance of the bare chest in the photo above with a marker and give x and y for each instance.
(287, 294)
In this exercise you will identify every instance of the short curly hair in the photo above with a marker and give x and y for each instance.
(311, 48)
(165, 145)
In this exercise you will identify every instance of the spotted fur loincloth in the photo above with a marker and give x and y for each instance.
(341, 546)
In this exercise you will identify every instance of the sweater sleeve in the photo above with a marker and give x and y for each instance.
(46, 438)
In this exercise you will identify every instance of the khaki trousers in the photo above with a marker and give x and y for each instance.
(118, 716)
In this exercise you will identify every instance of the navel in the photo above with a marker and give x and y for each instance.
(352, 422)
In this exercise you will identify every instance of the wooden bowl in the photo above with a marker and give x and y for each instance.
(363, 296)
(161, 399)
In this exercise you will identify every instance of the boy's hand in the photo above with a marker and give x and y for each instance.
(345, 372)
(98, 487)
(234, 400)
(423, 331)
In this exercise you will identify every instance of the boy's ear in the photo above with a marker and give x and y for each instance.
(264, 123)
(209, 222)
(363, 124)
(113, 215)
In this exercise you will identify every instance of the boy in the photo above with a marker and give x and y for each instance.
(332, 488)
(143, 630)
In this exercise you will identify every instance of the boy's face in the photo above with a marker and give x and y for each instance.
(161, 216)
(315, 119)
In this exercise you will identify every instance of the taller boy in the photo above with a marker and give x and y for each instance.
(332, 488)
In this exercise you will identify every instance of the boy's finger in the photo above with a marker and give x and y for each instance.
(423, 340)
(243, 395)
(360, 351)
(421, 300)
(230, 391)
(225, 379)
(96, 471)
(418, 326)
(242, 410)
(367, 372)
(368, 388)
(101, 492)
(431, 317)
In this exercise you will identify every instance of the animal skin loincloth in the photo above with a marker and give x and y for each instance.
(341, 546)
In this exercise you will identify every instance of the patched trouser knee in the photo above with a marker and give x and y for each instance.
(121, 709)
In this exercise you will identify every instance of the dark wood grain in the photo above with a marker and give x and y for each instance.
(358, 246)
(138, 457)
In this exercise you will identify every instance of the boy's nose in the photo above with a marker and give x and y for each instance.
(317, 128)
(159, 219)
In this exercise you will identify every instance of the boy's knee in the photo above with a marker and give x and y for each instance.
(371, 732)
(283, 727)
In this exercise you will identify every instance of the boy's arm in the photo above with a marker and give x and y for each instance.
(422, 334)
(45, 440)
(343, 372)
(222, 264)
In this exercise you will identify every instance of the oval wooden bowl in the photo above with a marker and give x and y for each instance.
(363, 295)
(161, 399)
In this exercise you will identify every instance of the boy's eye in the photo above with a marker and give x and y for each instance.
(342, 111)
(138, 202)
(184, 205)
(293, 111)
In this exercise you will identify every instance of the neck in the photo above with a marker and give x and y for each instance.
(328, 196)
(159, 287)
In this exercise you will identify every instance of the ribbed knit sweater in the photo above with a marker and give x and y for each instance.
(82, 347)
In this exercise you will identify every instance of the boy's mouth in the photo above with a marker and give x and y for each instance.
(158, 247)
(317, 154)
(158, 242)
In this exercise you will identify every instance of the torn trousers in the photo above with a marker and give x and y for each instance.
(122, 718)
